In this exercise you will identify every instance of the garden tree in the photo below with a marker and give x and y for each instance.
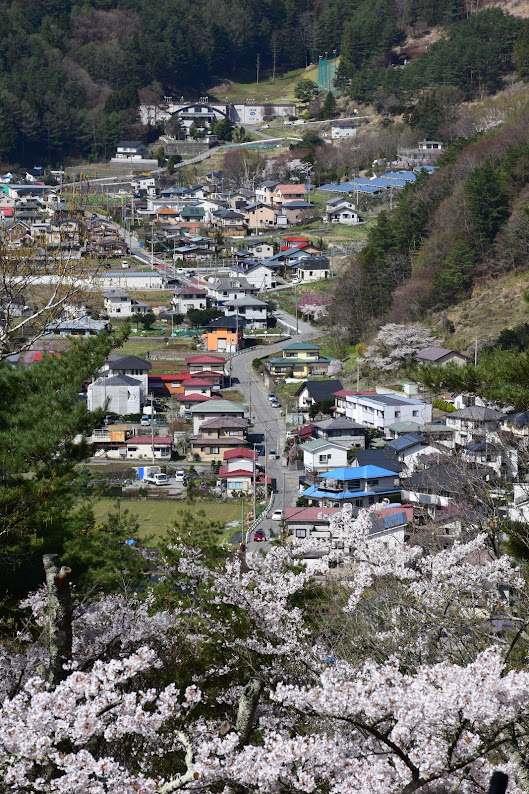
(251, 675)
(175, 127)
(395, 345)
(223, 129)
(147, 320)
(521, 51)
(306, 90)
(198, 317)
(159, 154)
(427, 116)
(172, 161)
(486, 199)
(40, 423)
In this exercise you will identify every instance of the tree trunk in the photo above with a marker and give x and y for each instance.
(59, 617)
(247, 707)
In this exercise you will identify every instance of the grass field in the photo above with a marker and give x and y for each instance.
(266, 90)
(157, 516)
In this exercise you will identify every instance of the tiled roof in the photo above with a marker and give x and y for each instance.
(205, 360)
(240, 452)
(148, 440)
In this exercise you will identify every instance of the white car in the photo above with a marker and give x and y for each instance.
(180, 476)
(265, 127)
(277, 515)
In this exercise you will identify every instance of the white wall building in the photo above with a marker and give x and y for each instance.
(121, 395)
(118, 303)
(320, 455)
(343, 129)
(382, 410)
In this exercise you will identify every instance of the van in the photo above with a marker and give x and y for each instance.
(180, 476)
(125, 264)
(145, 421)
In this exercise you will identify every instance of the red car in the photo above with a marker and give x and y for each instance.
(259, 536)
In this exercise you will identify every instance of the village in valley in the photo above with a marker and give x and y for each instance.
(264, 378)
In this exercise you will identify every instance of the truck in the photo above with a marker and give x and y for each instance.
(152, 475)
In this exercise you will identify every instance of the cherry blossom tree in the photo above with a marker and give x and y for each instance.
(404, 672)
(396, 344)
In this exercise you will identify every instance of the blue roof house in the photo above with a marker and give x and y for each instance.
(360, 486)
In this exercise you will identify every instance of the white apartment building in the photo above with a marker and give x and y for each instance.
(382, 410)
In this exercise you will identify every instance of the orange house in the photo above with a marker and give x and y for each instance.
(224, 335)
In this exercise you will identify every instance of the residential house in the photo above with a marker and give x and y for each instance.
(252, 311)
(502, 461)
(342, 430)
(142, 447)
(230, 222)
(218, 435)
(224, 334)
(135, 367)
(199, 386)
(214, 409)
(118, 303)
(360, 486)
(313, 269)
(203, 363)
(238, 470)
(265, 190)
(340, 400)
(285, 193)
(343, 129)
(131, 279)
(440, 356)
(384, 458)
(300, 359)
(260, 249)
(442, 485)
(131, 150)
(320, 455)
(188, 401)
(119, 394)
(516, 425)
(76, 326)
(382, 410)
(229, 289)
(474, 424)
(411, 448)
(314, 392)
(262, 216)
(298, 211)
(341, 210)
(190, 297)
(261, 277)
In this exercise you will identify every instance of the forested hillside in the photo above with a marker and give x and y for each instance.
(71, 76)
(465, 225)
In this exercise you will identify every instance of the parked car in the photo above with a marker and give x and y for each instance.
(265, 127)
(259, 536)
(272, 454)
(274, 404)
(180, 476)
(272, 397)
(145, 421)
(277, 515)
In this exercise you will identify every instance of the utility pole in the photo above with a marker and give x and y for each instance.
(266, 464)
(357, 374)
(152, 426)
(254, 478)
(152, 244)
(296, 300)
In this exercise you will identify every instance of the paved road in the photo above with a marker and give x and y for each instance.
(269, 424)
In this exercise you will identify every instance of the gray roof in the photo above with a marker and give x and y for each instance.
(319, 389)
(318, 443)
(405, 442)
(435, 353)
(119, 380)
(340, 423)
(128, 362)
(520, 419)
(217, 407)
(384, 458)
(117, 293)
(479, 413)
(249, 300)
(232, 283)
(224, 421)
(387, 399)
(455, 480)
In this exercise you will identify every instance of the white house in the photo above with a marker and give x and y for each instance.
(120, 394)
(343, 129)
(134, 367)
(253, 311)
(265, 191)
(308, 270)
(118, 303)
(382, 410)
(230, 289)
(188, 298)
(343, 431)
(341, 210)
(473, 424)
(133, 153)
(261, 277)
(131, 279)
(142, 447)
(320, 455)
(260, 249)
(410, 448)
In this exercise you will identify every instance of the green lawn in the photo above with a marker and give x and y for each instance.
(266, 90)
(157, 516)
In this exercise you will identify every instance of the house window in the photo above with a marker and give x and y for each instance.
(415, 413)
(397, 414)
(214, 450)
(301, 533)
(132, 449)
(373, 482)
